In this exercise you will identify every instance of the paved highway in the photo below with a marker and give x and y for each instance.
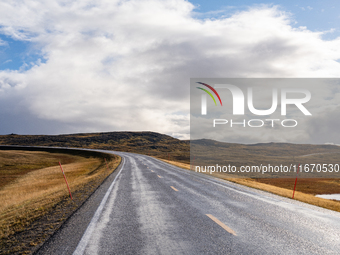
(150, 207)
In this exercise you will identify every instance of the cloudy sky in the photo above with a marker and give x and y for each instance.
(105, 65)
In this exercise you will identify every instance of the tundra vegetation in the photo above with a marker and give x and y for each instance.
(34, 199)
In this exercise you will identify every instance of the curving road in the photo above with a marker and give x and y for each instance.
(150, 207)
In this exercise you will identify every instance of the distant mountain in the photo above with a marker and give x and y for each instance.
(264, 149)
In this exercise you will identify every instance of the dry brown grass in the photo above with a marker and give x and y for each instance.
(175, 163)
(311, 186)
(305, 191)
(14, 164)
(32, 192)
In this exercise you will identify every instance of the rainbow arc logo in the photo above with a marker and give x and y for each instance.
(209, 93)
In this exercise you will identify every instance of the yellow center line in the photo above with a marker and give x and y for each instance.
(159, 176)
(225, 227)
(174, 188)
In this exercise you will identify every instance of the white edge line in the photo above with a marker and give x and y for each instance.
(86, 237)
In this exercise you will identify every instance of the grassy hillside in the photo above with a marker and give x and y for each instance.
(167, 147)
(148, 143)
(203, 151)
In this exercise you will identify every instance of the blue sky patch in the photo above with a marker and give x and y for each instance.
(314, 14)
(17, 55)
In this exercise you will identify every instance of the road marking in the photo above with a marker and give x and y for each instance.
(80, 249)
(174, 188)
(159, 176)
(221, 183)
(225, 227)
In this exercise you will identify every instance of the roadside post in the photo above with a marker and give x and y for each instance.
(65, 180)
(296, 181)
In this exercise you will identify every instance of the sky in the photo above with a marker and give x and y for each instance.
(100, 66)
(322, 16)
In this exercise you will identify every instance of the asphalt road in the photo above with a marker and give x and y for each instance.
(150, 207)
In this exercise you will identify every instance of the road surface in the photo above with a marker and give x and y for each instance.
(150, 207)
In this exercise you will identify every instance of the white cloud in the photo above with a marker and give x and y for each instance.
(3, 43)
(126, 65)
